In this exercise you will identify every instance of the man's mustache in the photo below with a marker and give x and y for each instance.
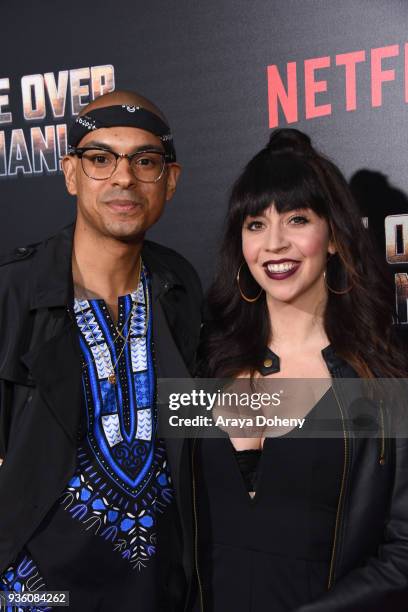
(121, 194)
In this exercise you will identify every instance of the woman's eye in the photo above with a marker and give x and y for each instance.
(298, 220)
(254, 225)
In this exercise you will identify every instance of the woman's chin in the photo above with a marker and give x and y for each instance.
(284, 296)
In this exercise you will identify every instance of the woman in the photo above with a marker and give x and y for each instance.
(291, 522)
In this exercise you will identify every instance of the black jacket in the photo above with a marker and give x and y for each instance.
(369, 556)
(369, 565)
(40, 379)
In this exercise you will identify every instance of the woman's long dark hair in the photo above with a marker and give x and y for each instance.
(291, 174)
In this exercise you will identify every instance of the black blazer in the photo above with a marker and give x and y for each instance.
(40, 379)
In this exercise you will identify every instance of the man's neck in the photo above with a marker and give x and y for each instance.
(104, 268)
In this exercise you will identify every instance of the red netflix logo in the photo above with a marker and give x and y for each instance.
(283, 90)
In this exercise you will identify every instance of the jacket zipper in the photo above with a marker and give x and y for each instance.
(200, 589)
(382, 426)
(340, 504)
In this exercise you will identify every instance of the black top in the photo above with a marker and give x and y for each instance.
(248, 461)
(271, 552)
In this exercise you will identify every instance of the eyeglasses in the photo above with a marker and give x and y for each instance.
(100, 164)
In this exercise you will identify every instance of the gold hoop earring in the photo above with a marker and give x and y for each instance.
(244, 297)
(335, 291)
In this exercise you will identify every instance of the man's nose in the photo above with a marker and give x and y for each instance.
(123, 174)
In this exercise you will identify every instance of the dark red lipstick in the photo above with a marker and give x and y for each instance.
(280, 269)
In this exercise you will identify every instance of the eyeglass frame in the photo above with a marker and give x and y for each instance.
(79, 151)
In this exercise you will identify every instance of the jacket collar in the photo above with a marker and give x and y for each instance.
(337, 366)
(51, 281)
(163, 277)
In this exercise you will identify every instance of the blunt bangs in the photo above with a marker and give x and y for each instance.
(286, 180)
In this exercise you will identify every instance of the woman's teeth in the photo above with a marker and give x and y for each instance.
(282, 267)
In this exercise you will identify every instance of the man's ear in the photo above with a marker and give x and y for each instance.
(173, 173)
(69, 163)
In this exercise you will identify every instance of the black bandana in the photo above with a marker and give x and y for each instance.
(123, 115)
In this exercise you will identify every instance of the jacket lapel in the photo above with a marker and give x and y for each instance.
(53, 358)
(169, 365)
(55, 366)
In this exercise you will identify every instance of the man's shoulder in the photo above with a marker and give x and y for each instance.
(20, 265)
(17, 258)
(15, 273)
(22, 255)
(167, 258)
(165, 254)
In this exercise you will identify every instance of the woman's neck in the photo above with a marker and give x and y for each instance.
(297, 326)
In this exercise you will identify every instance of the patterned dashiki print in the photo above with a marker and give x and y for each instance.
(122, 481)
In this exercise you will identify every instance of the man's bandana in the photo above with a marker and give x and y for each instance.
(123, 116)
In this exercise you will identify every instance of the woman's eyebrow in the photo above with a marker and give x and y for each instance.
(256, 216)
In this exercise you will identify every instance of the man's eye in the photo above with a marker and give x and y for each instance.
(100, 159)
(148, 162)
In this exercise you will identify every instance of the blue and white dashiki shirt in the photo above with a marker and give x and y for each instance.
(101, 540)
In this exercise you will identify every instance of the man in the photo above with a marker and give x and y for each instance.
(92, 501)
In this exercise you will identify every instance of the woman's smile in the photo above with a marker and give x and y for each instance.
(281, 269)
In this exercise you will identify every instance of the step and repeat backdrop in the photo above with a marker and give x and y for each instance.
(225, 72)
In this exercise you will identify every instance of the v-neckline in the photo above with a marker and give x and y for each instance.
(259, 471)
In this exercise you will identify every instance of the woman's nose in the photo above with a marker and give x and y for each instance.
(276, 239)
